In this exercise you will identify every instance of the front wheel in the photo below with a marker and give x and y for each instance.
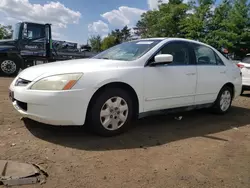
(111, 112)
(9, 66)
(224, 100)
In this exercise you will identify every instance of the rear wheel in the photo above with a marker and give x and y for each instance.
(111, 112)
(224, 100)
(9, 66)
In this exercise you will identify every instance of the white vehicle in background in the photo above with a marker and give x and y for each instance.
(125, 82)
(244, 65)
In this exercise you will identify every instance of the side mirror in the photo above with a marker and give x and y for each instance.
(163, 59)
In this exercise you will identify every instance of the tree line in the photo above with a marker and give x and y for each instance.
(5, 31)
(225, 26)
(115, 37)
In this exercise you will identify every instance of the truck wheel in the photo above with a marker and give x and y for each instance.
(111, 113)
(223, 101)
(9, 66)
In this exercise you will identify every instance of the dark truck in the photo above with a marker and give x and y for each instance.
(32, 44)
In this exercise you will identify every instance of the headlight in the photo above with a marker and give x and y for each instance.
(57, 82)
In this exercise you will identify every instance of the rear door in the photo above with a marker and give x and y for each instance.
(212, 74)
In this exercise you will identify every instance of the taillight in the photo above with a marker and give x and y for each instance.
(240, 66)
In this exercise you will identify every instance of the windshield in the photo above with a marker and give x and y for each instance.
(128, 51)
(16, 31)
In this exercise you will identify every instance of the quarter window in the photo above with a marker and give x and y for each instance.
(218, 59)
(204, 55)
(179, 51)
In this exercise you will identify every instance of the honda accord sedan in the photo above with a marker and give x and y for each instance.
(125, 82)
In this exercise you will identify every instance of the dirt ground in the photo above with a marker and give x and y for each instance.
(202, 150)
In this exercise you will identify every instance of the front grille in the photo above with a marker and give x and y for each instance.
(22, 82)
(22, 105)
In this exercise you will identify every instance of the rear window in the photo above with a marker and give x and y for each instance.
(246, 60)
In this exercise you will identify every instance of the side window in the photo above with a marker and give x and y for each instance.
(204, 55)
(218, 60)
(180, 53)
(35, 31)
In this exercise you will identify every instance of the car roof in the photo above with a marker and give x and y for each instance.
(174, 39)
(156, 38)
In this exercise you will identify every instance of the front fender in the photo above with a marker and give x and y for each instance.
(108, 81)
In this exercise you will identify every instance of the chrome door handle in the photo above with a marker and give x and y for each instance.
(223, 72)
(190, 74)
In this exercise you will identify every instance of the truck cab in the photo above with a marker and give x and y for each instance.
(32, 44)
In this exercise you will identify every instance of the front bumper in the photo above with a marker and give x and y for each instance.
(51, 107)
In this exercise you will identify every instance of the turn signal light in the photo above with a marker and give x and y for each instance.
(69, 85)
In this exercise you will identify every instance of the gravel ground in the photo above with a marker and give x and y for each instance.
(201, 150)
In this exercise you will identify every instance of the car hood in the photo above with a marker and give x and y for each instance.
(70, 66)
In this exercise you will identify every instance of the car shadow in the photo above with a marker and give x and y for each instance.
(148, 132)
(245, 95)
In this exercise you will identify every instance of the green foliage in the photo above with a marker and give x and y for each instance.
(116, 36)
(195, 26)
(121, 35)
(165, 22)
(240, 25)
(95, 43)
(125, 34)
(108, 42)
(226, 25)
(220, 28)
(5, 32)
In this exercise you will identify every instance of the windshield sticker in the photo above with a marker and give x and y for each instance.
(145, 42)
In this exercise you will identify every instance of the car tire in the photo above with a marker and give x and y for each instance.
(224, 101)
(110, 113)
(9, 66)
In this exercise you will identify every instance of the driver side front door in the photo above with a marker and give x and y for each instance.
(171, 85)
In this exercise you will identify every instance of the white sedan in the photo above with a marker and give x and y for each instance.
(126, 81)
(245, 69)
